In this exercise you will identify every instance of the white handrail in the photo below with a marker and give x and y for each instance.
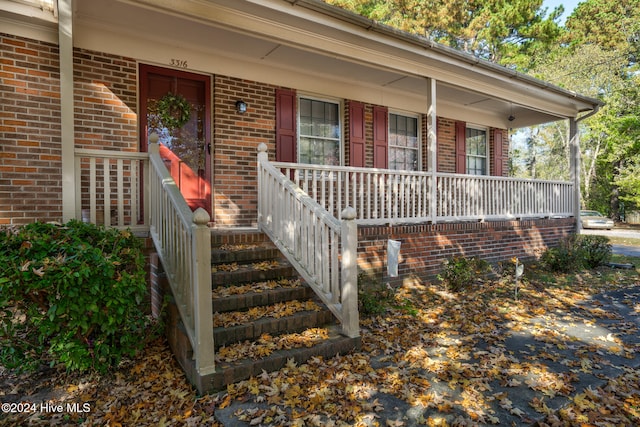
(183, 242)
(322, 248)
(383, 196)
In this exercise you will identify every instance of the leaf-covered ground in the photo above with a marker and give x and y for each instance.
(565, 353)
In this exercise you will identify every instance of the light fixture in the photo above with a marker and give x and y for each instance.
(241, 106)
(511, 116)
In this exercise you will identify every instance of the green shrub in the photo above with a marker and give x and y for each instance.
(563, 258)
(373, 296)
(70, 293)
(459, 273)
(574, 252)
(593, 251)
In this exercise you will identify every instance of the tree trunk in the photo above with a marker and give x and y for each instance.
(615, 193)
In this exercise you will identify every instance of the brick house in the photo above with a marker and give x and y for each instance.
(413, 135)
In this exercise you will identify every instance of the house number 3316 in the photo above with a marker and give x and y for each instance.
(181, 63)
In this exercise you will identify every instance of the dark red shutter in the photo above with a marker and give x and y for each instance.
(461, 147)
(357, 136)
(380, 137)
(286, 139)
(498, 153)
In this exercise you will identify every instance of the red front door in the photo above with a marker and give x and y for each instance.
(175, 105)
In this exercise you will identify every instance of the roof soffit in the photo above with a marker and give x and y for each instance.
(286, 34)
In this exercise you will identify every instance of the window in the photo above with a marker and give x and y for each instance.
(320, 132)
(404, 143)
(476, 142)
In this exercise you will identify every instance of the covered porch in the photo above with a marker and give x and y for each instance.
(327, 220)
(330, 222)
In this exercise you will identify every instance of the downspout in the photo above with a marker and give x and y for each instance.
(574, 138)
(67, 132)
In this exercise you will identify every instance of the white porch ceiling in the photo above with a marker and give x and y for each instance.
(275, 42)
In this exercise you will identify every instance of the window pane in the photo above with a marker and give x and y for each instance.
(412, 160)
(476, 151)
(331, 153)
(393, 153)
(305, 127)
(304, 150)
(319, 141)
(403, 142)
(305, 108)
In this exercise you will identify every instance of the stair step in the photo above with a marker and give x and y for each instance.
(296, 322)
(231, 372)
(264, 315)
(266, 344)
(237, 237)
(244, 254)
(228, 274)
(278, 310)
(258, 294)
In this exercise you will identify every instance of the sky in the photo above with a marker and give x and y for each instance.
(569, 5)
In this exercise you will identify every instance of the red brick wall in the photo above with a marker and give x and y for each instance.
(236, 140)
(425, 246)
(446, 145)
(105, 95)
(30, 150)
(105, 118)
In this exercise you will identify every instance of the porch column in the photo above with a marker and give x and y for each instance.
(432, 144)
(65, 44)
(574, 140)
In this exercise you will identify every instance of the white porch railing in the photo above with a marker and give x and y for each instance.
(386, 197)
(322, 248)
(108, 188)
(183, 242)
(136, 191)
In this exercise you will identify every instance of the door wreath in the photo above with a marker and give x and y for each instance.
(174, 111)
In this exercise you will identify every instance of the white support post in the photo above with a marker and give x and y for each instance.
(203, 306)
(65, 37)
(574, 140)
(349, 278)
(432, 144)
(262, 158)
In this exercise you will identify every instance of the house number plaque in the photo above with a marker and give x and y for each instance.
(181, 63)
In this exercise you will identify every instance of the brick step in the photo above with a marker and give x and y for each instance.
(293, 323)
(244, 254)
(256, 296)
(237, 237)
(232, 372)
(263, 314)
(247, 273)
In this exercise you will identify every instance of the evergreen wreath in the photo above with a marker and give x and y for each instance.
(174, 111)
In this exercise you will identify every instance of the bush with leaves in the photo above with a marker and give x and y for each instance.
(373, 296)
(593, 251)
(70, 293)
(574, 252)
(563, 258)
(459, 273)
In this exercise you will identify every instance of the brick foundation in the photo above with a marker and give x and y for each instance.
(425, 246)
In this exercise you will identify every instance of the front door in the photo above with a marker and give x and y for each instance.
(175, 105)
